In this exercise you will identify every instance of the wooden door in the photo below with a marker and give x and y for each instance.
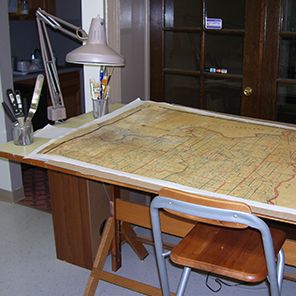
(278, 81)
(199, 65)
(256, 46)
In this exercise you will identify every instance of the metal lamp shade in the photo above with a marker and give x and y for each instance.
(95, 51)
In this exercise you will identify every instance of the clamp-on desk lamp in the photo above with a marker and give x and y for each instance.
(95, 51)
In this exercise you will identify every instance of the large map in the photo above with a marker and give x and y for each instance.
(164, 142)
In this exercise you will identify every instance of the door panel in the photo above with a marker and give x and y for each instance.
(285, 95)
(287, 61)
(232, 12)
(288, 13)
(223, 95)
(286, 103)
(185, 13)
(224, 52)
(181, 89)
(181, 50)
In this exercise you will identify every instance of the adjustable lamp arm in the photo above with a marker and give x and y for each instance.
(95, 51)
(56, 22)
(57, 111)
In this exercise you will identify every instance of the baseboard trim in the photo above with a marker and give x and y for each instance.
(12, 196)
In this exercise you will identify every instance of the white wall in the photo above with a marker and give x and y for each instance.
(113, 11)
(134, 44)
(10, 174)
(90, 9)
(127, 23)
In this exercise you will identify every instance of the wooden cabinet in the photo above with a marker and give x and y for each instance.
(70, 86)
(80, 208)
(48, 5)
(71, 90)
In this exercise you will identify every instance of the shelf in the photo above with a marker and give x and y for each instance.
(206, 74)
(26, 17)
(286, 81)
(183, 29)
(291, 35)
(181, 72)
(223, 76)
(208, 31)
(226, 31)
(61, 70)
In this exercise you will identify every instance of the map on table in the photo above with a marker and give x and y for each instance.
(222, 155)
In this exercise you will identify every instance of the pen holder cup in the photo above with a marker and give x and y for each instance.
(100, 107)
(22, 134)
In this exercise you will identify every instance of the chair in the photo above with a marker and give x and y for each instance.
(227, 240)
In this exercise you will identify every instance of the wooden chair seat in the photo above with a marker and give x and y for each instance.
(228, 240)
(234, 253)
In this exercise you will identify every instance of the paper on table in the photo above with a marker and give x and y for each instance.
(51, 132)
(130, 130)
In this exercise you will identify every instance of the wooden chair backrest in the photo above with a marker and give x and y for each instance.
(205, 201)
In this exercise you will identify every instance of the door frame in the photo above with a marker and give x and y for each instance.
(113, 16)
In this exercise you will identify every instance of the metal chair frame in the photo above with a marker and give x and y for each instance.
(275, 271)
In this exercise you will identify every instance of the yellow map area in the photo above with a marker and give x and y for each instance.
(231, 157)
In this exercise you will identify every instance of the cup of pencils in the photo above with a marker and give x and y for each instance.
(100, 108)
(100, 90)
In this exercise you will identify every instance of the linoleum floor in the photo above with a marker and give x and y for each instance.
(28, 264)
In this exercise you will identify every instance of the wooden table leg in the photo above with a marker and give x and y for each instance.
(116, 243)
(80, 208)
(133, 241)
(290, 276)
(104, 247)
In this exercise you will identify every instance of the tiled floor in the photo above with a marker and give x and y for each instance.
(28, 264)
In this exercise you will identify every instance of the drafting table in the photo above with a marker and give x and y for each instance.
(145, 146)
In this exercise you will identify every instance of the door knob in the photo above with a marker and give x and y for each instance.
(248, 91)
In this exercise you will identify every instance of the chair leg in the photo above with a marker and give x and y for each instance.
(102, 253)
(161, 262)
(183, 281)
(160, 255)
(131, 237)
(275, 277)
(280, 268)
